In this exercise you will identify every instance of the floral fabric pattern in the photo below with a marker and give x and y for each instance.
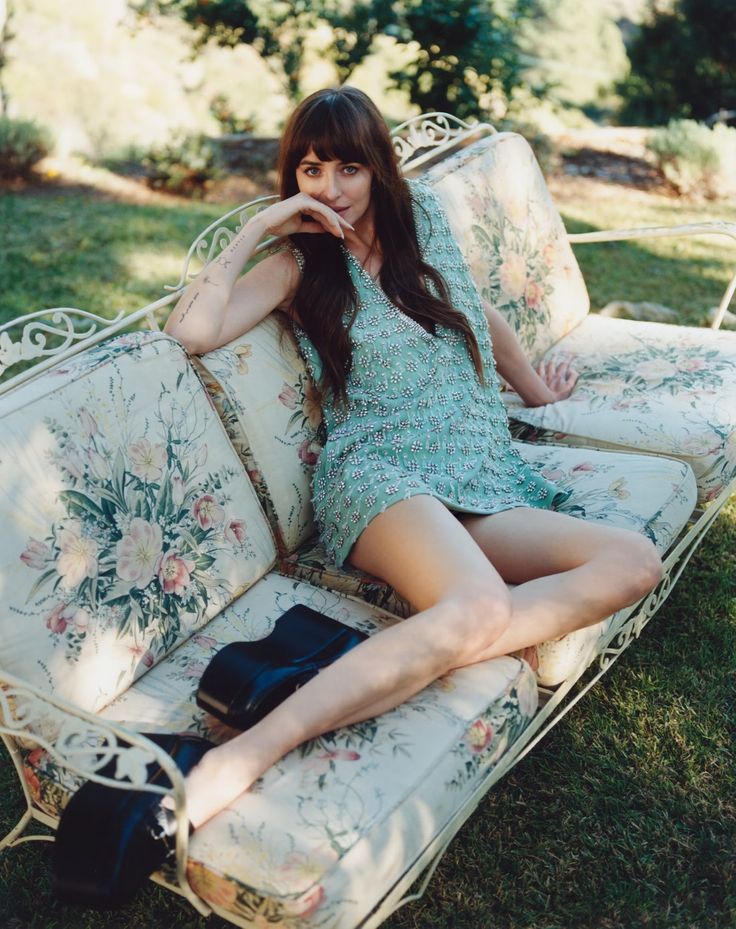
(265, 398)
(648, 387)
(646, 494)
(133, 525)
(511, 235)
(306, 846)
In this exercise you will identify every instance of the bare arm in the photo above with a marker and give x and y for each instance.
(536, 388)
(219, 304)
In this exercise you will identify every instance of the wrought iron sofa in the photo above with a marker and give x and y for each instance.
(156, 507)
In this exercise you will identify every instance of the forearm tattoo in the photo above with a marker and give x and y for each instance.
(186, 311)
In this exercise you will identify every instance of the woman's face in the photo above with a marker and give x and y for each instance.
(343, 186)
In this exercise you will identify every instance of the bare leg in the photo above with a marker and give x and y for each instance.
(465, 615)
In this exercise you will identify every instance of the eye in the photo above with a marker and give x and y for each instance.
(311, 171)
(351, 169)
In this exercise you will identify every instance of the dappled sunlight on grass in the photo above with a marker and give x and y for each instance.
(153, 265)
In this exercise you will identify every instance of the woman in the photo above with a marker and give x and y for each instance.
(418, 483)
(346, 205)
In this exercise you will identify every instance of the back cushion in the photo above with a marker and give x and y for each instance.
(512, 237)
(264, 396)
(128, 520)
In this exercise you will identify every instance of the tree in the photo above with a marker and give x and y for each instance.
(461, 50)
(682, 63)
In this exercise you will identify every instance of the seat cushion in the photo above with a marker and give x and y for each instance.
(647, 494)
(329, 828)
(649, 387)
(128, 520)
(512, 237)
(264, 396)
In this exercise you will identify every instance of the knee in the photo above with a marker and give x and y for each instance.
(641, 566)
(477, 618)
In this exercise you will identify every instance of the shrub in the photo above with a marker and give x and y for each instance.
(23, 143)
(229, 122)
(186, 165)
(696, 159)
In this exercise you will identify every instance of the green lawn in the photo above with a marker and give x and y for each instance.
(625, 815)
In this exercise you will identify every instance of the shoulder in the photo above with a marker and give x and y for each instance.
(429, 214)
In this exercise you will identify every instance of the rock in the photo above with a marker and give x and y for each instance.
(729, 319)
(648, 312)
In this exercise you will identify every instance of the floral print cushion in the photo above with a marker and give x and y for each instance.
(330, 827)
(651, 495)
(513, 239)
(649, 387)
(263, 393)
(645, 493)
(128, 520)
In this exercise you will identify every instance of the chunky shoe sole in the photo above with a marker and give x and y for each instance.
(246, 680)
(108, 841)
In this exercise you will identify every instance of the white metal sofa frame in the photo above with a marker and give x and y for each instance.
(26, 712)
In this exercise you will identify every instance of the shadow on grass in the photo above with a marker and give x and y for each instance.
(98, 255)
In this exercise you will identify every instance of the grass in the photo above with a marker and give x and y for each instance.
(625, 815)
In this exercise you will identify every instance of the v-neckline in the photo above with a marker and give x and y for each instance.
(382, 294)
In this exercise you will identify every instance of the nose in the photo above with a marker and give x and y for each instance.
(331, 187)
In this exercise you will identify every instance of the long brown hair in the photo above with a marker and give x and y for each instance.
(345, 125)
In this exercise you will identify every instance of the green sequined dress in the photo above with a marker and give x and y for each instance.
(417, 420)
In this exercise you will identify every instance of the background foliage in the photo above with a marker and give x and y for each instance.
(682, 63)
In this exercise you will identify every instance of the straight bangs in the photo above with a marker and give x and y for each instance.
(336, 129)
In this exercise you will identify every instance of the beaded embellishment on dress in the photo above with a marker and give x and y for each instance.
(417, 420)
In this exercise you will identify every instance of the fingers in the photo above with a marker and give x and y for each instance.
(318, 214)
(559, 376)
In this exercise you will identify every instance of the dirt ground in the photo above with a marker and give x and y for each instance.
(594, 161)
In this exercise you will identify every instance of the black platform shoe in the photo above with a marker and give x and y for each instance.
(110, 840)
(246, 680)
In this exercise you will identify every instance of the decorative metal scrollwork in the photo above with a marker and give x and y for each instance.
(218, 235)
(82, 745)
(32, 343)
(431, 130)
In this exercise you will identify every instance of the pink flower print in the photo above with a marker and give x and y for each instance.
(78, 558)
(340, 754)
(288, 396)
(60, 617)
(37, 555)
(533, 294)
(138, 552)
(208, 512)
(553, 474)
(309, 452)
(206, 641)
(235, 531)
(549, 255)
(73, 464)
(87, 422)
(479, 735)
(656, 369)
(691, 364)
(584, 466)
(308, 904)
(174, 573)
(513, 276)
(145, 655)
(195, 670)
(97, 465)
(147, 461)
(81, 621)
